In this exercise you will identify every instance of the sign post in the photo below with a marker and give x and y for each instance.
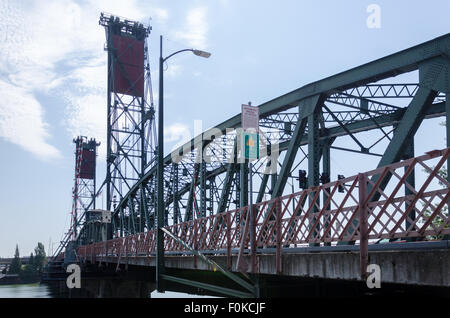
(250, 152)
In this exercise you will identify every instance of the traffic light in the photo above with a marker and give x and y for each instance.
(324, 178)
(341, 186)
(302, 180)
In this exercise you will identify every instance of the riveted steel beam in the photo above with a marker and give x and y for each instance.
(228, 182)
(408, 126)
(306, 108)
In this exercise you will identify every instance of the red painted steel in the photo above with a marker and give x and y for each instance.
(87, 170)
(298, 219)
(129, 66)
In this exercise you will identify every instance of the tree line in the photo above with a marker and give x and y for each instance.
(32, 271)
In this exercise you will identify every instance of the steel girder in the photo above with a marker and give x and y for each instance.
(361, 108)
(228, 186)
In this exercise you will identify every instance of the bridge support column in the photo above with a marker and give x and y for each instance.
(263, 185)
(314, 153)
(203, 188)
(447, 124)
(243, 191)
(273, 181)
(326, 171)
(411, 180)
(176, 203)
(243, 182)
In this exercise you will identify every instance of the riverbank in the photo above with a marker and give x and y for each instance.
(15, 279)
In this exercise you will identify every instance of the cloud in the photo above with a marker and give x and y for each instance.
(86, 116)
(178, 133)
(21, 115)
(22, 122)
(55, 48)
(195, 28)
(160, 15)
(128, 9)
(36, 38)
(172, 70)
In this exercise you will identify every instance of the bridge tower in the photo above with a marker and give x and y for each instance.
(84, 181)
(130, 116)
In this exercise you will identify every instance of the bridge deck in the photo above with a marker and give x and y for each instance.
(413, 263)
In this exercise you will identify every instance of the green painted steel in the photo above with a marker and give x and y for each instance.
(447, 109)
(309, 129)
(215, 266)
(263, 185)
(214, 288)
(243, 184)
(314, 155)
(407, 128)
(290, 154)
(317, 125)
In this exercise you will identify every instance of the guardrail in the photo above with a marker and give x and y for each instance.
(356, 210)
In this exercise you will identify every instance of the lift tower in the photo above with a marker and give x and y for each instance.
(130, 111)
(84, 181)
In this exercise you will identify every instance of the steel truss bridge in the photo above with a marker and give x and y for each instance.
(366, 110)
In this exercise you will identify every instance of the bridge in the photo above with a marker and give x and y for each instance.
(221, 236)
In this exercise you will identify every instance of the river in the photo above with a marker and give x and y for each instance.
(43, 291)
(24, 291)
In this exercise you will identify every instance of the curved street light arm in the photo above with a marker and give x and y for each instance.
(184, 50)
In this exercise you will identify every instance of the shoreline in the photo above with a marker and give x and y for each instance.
(15, 280)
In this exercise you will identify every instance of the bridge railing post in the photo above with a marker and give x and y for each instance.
(363, 225)
(228, 233)
(278, 234)
(195, 229)
(126, 250)
(253, 238)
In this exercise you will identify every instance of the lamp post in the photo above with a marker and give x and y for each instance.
(160, 165)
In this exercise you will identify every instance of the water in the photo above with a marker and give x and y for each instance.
(169, 294)
(24, 291)
(43, 291)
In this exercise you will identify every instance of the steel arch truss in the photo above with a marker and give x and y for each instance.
(206, 177)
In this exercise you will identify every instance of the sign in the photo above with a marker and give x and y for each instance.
(250, 117)
(106, 216)
(250, 145)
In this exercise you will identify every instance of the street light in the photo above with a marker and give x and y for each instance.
(160, 168)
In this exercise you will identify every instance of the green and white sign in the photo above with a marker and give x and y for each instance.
(250, 145)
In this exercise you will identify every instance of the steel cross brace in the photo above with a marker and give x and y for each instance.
(228, 274)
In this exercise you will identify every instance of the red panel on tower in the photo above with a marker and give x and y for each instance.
(87, 169)
(130, 54)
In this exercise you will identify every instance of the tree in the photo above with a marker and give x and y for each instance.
(16, 263)
(29, 274)
(32, 262)
(40, 258)
(438, 221)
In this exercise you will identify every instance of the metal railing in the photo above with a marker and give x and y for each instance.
(361, 209)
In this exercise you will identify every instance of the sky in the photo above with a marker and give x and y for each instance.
(53, 79)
